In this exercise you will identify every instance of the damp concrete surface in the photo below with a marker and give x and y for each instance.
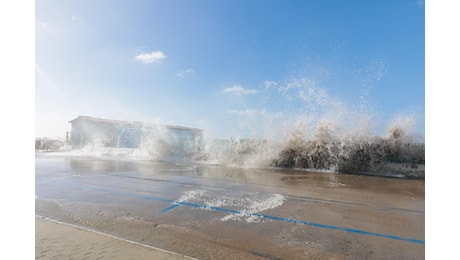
(217, 212)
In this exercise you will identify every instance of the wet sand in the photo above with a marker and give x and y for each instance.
(213, 212)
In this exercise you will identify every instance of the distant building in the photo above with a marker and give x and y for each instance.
(123, 134)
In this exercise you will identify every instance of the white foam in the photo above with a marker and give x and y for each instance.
(275, 201)
(256, 205)
(191, 195)
(247, 203)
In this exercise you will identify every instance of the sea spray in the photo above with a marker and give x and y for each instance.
(350, 154)
(397, 154)
(306, 128)
(321, 133)
(329, 147)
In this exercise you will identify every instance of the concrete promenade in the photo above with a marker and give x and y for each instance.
(57, 240)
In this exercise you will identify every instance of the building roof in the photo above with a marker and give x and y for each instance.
(132, 123)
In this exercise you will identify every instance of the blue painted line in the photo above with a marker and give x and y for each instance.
(307, 223)
(173, 206)
(302, 222)
(237, 212)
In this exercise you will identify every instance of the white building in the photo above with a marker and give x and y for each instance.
(123, 134)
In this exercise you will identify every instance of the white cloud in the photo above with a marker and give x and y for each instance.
(153, 57)
(269, 84)
(239, 90)
(185, 72)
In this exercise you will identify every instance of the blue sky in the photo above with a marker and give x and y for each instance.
(233, 68)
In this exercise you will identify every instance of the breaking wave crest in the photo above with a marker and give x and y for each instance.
(398, 154)
(322, 134)
(327, 149)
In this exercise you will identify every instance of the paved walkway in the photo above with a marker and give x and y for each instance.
(57, 240)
